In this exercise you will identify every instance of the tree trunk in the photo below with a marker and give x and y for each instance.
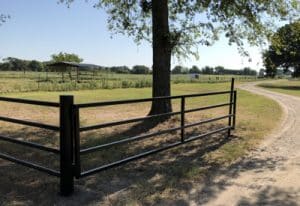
(161, 57)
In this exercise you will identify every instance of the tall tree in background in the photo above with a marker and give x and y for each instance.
(219, 70)
(61, 57)
(140, 69)
(16, 64)
(178, 27)
(179, 70)
(208, 70)
(35, 65)
(194, 70)
(284, 50)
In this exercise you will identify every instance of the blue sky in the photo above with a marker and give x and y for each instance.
(38, 29)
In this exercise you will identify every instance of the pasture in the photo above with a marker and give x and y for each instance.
(158, 179)
(53, 81)
(285, 86)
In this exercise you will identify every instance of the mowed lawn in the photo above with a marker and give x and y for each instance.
(166, 178)
(291, 87)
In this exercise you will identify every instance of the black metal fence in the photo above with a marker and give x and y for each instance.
(30, 144)
(70, 151)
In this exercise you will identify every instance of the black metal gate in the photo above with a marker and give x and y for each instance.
(70, 151)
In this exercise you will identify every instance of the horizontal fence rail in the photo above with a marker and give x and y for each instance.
(110, 124)
(145, 154)
(28, 123)
(69, 128)
(183, 126)
(29, 144)
(30, 165)
(33, 145)
(141, 137)
(32, 102)
(130, 101)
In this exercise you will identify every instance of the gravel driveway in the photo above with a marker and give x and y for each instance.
(269, 175)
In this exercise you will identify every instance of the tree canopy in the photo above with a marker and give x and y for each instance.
(35, 66)
(194, 70)
(219, 70)
(284, 50)
(119, 69)
(15, 64)
(180, 70)
(200, 22)
(208, 70)
(62, 56)
(178, 27)
(140, 69)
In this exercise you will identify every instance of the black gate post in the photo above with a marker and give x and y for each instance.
(66, 145)
(182, 118)
(231, 105)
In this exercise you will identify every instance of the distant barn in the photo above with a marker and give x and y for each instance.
(64, 66)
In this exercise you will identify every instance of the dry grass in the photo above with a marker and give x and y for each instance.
(167, 178)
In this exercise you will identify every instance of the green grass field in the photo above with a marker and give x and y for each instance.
(42, 81)
(161, 177)
(291, 87)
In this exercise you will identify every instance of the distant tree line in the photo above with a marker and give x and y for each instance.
(15, 64)
(137, 69)
(218, 70)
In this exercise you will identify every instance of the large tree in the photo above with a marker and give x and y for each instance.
(284, 50)
(194, 70)
(208, 70)
(180, 70)
(16, 64)
(140, 69)
(62, 56)
(36, 66)
(219, 70)
(179, 26)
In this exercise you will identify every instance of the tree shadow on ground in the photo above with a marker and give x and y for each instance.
(122, 132)
(271, 196)
(285, 87)
(167, 178)
(221, 177)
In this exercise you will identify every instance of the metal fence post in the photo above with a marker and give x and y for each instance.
(230, 106)
(77, 142)
(182, 118)
(234, 109)
(66, 145)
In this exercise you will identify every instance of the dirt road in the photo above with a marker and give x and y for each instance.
(269, 175)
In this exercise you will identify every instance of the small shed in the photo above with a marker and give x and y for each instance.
(63, 67)
(194, 76)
